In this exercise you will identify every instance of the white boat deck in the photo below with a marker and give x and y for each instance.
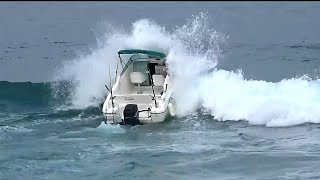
(147, 90)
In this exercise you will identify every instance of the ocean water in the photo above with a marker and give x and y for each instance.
(246, 87)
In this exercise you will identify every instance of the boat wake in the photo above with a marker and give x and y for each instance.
(193, 52)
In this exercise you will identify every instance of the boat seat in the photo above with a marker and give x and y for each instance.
(138, 78)
(158, 80)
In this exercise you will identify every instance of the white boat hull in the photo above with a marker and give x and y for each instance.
(140, 95)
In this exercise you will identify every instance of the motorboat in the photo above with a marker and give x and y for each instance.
(142, 92)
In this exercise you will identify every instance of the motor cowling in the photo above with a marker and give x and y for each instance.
(131, 114)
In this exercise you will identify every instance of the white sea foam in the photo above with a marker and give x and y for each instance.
(110, 128)
(193, 53)
(228, 96)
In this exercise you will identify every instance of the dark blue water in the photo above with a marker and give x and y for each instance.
(42, 136)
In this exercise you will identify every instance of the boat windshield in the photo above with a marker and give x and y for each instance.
(141, 62)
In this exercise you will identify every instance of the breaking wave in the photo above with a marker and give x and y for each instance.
(193, 52)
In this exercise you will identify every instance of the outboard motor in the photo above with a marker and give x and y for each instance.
(131, 114)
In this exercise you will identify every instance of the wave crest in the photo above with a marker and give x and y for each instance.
(193, 53)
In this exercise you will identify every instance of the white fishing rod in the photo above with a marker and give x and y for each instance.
(111, 88)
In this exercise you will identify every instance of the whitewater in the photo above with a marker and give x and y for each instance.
(193, 53)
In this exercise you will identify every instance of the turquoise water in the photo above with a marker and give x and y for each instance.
(260, 123)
